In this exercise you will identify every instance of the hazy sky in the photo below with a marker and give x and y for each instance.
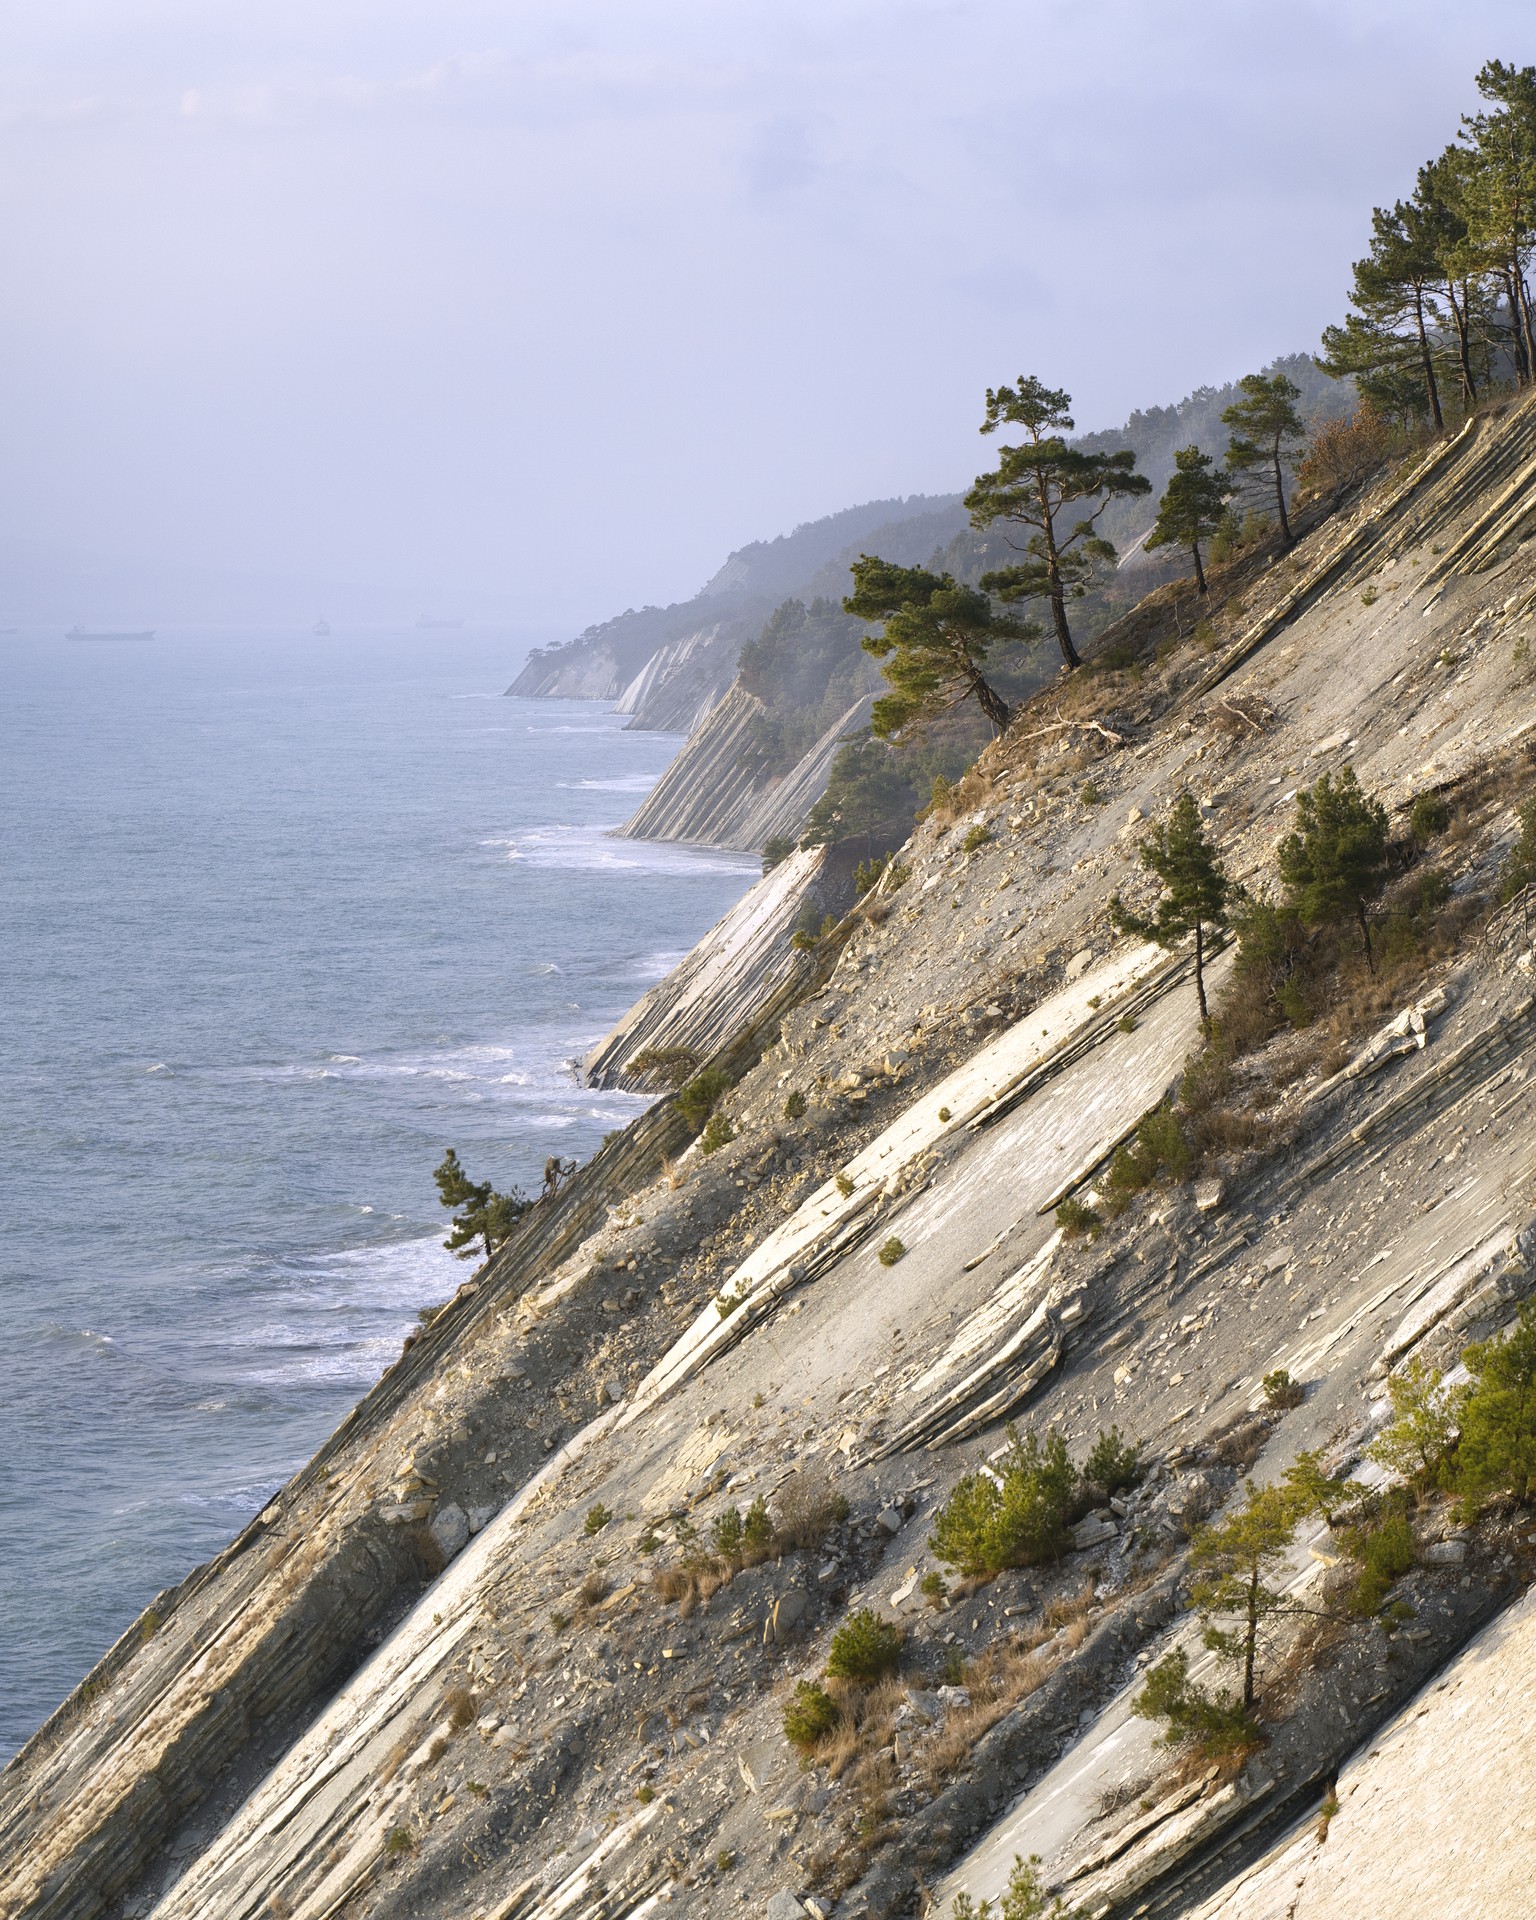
(541, 306)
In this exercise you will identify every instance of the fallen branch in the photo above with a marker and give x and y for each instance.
(1065, 726)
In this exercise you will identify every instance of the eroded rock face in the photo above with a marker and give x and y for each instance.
(485, 1654)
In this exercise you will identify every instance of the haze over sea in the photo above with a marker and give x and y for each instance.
(280, 919)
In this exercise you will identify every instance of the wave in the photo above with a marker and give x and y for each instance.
(594, 849)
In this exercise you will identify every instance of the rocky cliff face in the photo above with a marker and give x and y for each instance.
(514, 1645)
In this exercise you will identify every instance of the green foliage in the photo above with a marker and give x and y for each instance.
(398, 1840)
(1196, 895)
(868, 872)
(776, 849)
(1092, 794)
(1310, 1489)
(891, 1252)
(718, 1132)
(485, 1218)
(1520, 867)
(864, 1649)
(1025, 1898)
(1266, 428)
(1336, 863)
(1416, 1444)
(1193, 506)
(1214, 1728)
(807, 669)
(810, 1716)
(1384, 1553)
(1033, 482)
(933, 641)
(1112, 1464)
(1280, 1390)
(843, 1184)
(645, 1794)
(1077, 1219)
(1497, 1416)
(1159, 1149)
(698, 1098)
(934, 1587)
(1428, 818)
(597, 1518)
(794, 1104)
(953, 1669)
(671, 1066)
(977, 836)
(1232, 1560)
(1013, 1516)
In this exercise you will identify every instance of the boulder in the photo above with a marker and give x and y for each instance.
(450, 1529)
(1445, 1553)
(784, 1906)
(1093, 1532)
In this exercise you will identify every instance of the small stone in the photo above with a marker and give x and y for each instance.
(1209, 1194)
(481, 1517)
(450, 1529)
(889, 1520)
(1445, 1553)
(406, 1514)
(612, 1306)
(503, 1736)
(613, 1391)
(784, 1616)
(631, 1296)
(1080, 962)
(784, 1906)
(825, 1572)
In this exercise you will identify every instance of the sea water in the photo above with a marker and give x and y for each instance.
(281, 918)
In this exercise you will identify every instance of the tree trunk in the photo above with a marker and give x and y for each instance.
(1365, 935)
(1431, 385)
(1516, 329)
(1459, 310)
(1285, 523)
(1194, 547)
(990, 701)
(1251, 1640)
(1525, 317)
(1069, 653)
(1205, 1012)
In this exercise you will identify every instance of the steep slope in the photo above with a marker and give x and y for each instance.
(489, 1654)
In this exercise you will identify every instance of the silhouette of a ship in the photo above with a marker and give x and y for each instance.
(78, 632)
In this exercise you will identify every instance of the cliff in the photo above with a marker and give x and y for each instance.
(493, 1652)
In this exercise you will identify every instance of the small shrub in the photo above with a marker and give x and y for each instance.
(867, 873)
(901, 873)
(729, 1530)
(1025, 1898)
(794, 1105)
(807, 1510)
(844, 1185)
(1111, 1464)
(1498, 1414)
(669, 1065)
(1213, 1728)
(864, 1649)
(698, 1098)
(757, 1529)
(1013, 1517)
(1076, 1218)
(597, 1518)
(645, 1795)
(953, 1669)
(1417, 1442)
(776, 849)
(1126, 1023)
(718, 1132)
(1384, 1553)
(810, 1716)
(726, 1303)
(1280, 1390)
(1520, 867)
(934, 1588)
(944, 1113)
(1092, 794)
(1429, 817)
(399, 1840)
(891, 1252)
(559, 1621)
(724, 1860)
(459, 1706)
(978, 836)
(1368, 597)
(648, 1543)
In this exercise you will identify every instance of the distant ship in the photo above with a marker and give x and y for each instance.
(322, 628)
(426, 620)
(78, 633)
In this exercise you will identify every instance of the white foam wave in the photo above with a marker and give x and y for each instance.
(594, 849)
(625, 783)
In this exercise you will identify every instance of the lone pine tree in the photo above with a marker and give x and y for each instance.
(1192, 506)
(1265, 425)
(1032, 484)
(1197, 896)
(1335, 864)
(483, 1215)
(934, 639)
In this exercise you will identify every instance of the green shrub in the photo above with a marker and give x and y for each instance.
(1429, 817)
(1280, 1390)
(757, 1528)
(1520, 867)
(794, 1105)
(1076, 1218)
(978, 836)
(864, 1649)
(1417, 1442)
(1213, 1728)
(399, 1840)
(867, 873)
(1111, 1464)
(934, 1588)
(697, 1100)
(1384, 1553)
(597, 1518)
(891, 1252)
(778, 847)
(810, 1716)
(718, 1132)
(953, 1669)
(1498, 1414)
(670, 1065)
(1015, 1516)
(1126, 1023)
(729, 1530)
(843, 1184)
(1093, 795)
(1025, 1898)
(645, 1795)
(944, 1113)
(1159, 1149)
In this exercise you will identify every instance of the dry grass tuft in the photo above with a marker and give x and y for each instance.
(459, 1707)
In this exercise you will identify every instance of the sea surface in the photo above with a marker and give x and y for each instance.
(281, 918)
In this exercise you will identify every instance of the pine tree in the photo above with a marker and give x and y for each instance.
(1192, 506)
(1265, 423)
(1500, 195)
(1497, 1417)
(934, 639)
(1336, 864)
(1233, 1563)
(484, 1215)
(1198, 893)
(1033, 483)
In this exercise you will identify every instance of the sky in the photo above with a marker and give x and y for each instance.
(532, 310)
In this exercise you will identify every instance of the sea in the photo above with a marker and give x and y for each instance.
(281, 918)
